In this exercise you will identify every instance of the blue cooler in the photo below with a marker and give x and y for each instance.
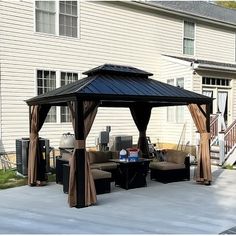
(133, 154)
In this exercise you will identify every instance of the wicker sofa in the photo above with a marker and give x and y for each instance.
(100, 160)
(175, 167)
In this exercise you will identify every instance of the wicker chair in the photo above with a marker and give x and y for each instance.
(175, 167)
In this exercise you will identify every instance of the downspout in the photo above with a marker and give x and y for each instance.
(195, 134)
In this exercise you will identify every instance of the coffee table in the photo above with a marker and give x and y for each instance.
(131, 174)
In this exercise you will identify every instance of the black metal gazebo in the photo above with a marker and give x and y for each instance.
(109, 86)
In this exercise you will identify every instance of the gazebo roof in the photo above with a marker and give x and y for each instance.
(116, 85)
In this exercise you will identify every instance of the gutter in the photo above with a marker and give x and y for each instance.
(197, 66)
(184, 14)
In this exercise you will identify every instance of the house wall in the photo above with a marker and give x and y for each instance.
(215, 43)
(174, 132)
(110, 32)
(115, 36)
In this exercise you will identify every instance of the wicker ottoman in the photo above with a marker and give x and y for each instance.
(102, 180)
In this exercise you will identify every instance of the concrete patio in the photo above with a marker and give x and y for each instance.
(175, 208)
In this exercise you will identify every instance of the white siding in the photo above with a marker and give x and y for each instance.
(233, 92)
(171, 132)
(109, 33)
(118, 35)
(216, 44)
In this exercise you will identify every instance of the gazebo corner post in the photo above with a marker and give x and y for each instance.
(208, 128)
(208, 112)
(80, 154)
(30, 118)
(201, 118)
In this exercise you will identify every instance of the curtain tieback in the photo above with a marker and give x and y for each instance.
(205, 137)
(33, 135)
(79, 144)
(142, 134)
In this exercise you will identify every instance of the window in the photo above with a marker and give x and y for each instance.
(171, 109)
(180, 109)
(215, 81)
(63, 21)
(209, 93)
(189, 37)
(67, 78)
(45, 16)
(68, 18)
(46, 81)
(175, 114)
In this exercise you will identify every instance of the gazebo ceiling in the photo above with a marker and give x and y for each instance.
(115, 85)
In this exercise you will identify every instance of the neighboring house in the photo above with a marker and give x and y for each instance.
(44, 45)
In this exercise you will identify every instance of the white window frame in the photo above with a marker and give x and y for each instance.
(45, 11)
(57, 22)
(65, 71)
(36, 87)
(174, 109)
(179, 108)
(194, 39)
(58, 84)
(170, 111)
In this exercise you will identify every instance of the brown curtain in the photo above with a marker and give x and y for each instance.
(36, 163)
(203, 173)
(90, 111)
(141, 113)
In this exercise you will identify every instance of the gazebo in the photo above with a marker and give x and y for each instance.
(112, 86)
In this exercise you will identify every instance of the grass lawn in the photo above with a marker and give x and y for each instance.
(9, 179)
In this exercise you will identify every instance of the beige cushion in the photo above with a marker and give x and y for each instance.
(104, 166)
(175, 156)
(99, 156)
(164, 165)
(100, 174)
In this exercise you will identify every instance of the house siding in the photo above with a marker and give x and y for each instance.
(118, 35)
(171, 132)
(215, 43)
(109, 32)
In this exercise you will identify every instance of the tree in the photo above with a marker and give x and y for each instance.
(227, 4)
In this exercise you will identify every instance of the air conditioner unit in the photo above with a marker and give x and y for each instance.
(22, 153)
(118, 142)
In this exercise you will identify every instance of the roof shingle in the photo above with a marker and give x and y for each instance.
(202, 9)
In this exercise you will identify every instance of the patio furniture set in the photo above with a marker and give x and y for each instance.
(106, 167)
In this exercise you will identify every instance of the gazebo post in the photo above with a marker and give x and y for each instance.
(208, 125)
(208, 112)
(30, 117)
(80, 154)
